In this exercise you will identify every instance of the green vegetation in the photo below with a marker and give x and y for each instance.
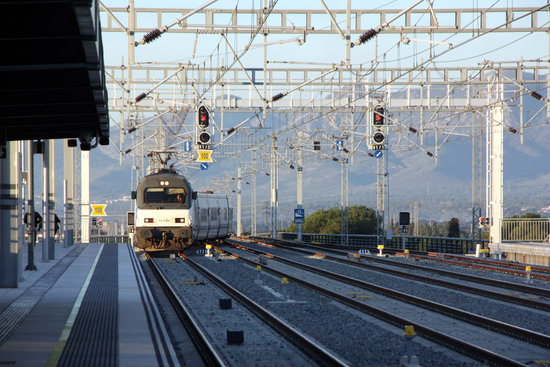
(362, 220)
(454, 228)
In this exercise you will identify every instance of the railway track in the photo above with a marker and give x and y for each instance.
(316, 351)
(523, 288)
(459, 345)
(203, 322)
(204, 347)
(536, 272)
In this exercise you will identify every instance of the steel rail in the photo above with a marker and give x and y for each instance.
(207, 351)
(312, 349)
(447, 284)
(488, 323)
(534, 268)
(466, 348)
(471, 278)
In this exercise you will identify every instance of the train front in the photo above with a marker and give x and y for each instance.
(162, 217)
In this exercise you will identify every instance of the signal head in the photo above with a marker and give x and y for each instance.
(378, 137)
(203, 118)
(204, 138)
(378, 115)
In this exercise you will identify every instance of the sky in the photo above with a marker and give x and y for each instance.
(386, 50)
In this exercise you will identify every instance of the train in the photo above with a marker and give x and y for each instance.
(170, 216)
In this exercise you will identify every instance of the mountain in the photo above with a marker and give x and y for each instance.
(442, 186)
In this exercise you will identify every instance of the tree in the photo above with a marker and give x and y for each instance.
(454, 228)
(361, 220)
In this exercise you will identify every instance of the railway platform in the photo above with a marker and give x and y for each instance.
(90, 307)
(535, 253)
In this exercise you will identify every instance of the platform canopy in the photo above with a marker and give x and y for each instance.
(52, 72)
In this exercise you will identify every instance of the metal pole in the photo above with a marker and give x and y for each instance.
(85, 196)
(51, 199)
(69, 209)
(348, 31)
(20, 209)
(45, 198)
(239, 203)
(254, 212)
(30, 207)
(274, 187)
(299, 192)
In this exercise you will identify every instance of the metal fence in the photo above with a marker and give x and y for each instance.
(110, 239)
(418, 243)
(526, 229)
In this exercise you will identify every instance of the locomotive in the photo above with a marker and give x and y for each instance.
(170, 216)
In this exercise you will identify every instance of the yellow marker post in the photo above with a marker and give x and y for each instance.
(259, 276)
(284, 282)
(409, 358)
(528, 272)
(380, 248)
(208, 247)
(406, 253)
(409, 330)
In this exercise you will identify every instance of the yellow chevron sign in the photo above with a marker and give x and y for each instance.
(204, 156)
(98, 209)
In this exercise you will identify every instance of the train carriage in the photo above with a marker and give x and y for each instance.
(170, 216)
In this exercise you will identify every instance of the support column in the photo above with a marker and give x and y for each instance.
(380, 205)
(495, 170)
(299, 178)
(85, 196)
(254, 213)
(68, 194)
(239, 203)
(274, 187)
(31, 230)
(9, 220)
(48, 200)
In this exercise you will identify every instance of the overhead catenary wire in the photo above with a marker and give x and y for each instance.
(156, 33)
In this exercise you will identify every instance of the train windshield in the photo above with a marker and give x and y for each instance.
(164, 195)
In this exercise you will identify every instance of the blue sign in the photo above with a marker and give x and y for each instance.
(378, 153)
(339, 144)
(187, 146)
(204, 166)
(299, 215)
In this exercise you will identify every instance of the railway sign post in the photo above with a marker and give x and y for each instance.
(378, 153)
(404, 221)
(204, 155)
(98, 210)
(187, 146)
(204, 166)
(299, 216)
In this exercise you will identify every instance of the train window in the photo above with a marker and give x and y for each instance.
(204, 215)
(214, 214)
(164, 195)
(153, 195)
(176, 195)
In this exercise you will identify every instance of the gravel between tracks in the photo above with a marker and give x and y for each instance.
(357, 338)
(262, 346)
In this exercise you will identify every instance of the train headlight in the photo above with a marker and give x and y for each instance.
(180, 220)
(148, 220)
(165, 183)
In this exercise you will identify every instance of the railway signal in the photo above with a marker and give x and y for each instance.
(203, 122)
(379, 136)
